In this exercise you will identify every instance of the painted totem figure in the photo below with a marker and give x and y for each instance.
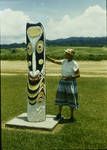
(36, 109)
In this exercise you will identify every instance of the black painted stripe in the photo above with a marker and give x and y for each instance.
(32, 103)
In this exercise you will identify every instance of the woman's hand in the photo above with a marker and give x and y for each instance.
(53, 60)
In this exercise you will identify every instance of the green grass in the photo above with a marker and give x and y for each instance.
(82, 53)
(13, 54)
(88, 132)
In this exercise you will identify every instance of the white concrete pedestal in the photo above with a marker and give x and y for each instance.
(22, 122)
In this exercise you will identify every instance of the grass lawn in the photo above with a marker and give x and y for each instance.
(88, 132)
(82, 53)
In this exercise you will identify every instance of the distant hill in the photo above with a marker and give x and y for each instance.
(80, 41)
(13, 45)
(72, 41)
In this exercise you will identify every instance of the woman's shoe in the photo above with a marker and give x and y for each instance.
(59, 117)
(72, 119)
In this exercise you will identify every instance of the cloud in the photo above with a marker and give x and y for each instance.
(13, 25)
(92, 22)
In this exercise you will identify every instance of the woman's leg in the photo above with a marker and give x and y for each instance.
(60, 109)
(58, 116)
(72, 112)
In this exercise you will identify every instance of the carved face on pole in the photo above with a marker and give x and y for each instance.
(36, 64)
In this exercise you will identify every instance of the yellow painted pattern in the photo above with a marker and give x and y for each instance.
(29, 49)
(34, 87)
(34, 31)
(32, 102)
(33, 94)
(41, 61)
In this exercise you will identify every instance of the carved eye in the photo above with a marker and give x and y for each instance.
(40, 46)
(29, 49)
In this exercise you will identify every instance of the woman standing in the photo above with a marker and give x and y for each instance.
(67, 92)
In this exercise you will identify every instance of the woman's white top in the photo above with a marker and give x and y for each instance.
(69, 67)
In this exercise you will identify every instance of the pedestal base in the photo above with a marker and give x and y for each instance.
(36, 112)
(22, 122)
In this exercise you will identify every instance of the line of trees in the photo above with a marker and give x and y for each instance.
(72, 41)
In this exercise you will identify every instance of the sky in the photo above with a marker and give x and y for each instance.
(60, 18)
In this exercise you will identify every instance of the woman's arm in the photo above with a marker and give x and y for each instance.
(77, 74)
(54, 60)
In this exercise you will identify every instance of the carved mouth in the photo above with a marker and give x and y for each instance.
(34, 76)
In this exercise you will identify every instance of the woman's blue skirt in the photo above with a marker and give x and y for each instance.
(67, 93)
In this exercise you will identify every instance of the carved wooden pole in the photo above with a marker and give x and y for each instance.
(36, 109)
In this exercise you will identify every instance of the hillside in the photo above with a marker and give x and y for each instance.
(71, 41)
